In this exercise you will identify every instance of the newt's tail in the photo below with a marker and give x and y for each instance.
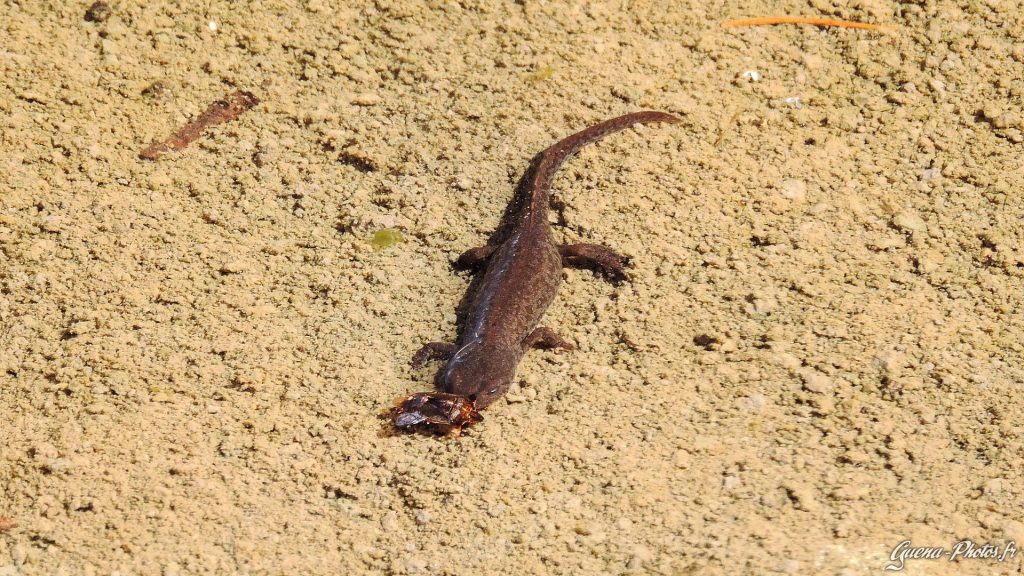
(537, 182)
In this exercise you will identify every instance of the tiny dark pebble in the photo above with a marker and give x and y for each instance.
(98, 12)
(156, 89)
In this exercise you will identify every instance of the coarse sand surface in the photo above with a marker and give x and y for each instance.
(818, 354)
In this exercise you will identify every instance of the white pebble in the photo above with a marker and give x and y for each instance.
(794, 189)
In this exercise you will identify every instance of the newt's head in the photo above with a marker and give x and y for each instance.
(449, 413)
(481, 373)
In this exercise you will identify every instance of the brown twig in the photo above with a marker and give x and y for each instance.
(219, 112)
(772, 20)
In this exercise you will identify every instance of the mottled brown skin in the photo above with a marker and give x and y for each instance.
(522, 275)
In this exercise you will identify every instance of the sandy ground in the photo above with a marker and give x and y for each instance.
(818, 354)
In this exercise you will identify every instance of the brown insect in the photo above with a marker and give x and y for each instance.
(231, 107)
(442, 412)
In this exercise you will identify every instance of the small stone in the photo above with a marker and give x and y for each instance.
(681, 459)
(639, 555)
(415, 565)
(802, 497)
(891, 361)
(761, 302)
(731, 483)
(1013, 530)
(626, 93)
(786, 360)
(19, 554)
(815, 381)
(850, 492)
(753, 403)
(794, 189)
(423, 518)
(390, 523)
(98, 12)
(367, 99)
(234, 267)
(52, 223)
(583, 529)
(789, 566)
(57, 465)
(172, 569)
(108, 47)
(909, 221)
(929, 261)
(994, 487)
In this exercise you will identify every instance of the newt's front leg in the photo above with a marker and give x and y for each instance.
(542, 337)
(474, 258)
(601, 258)
(432, 351)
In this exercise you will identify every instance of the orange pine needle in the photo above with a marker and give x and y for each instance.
(772, 20)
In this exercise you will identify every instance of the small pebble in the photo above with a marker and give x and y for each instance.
(234, 267)
(789, 566)
(815, 381)
(994, 487)
(415, 565)
(1013, 530)
(367, 99)
(794, 189)
(753, 403)
(890, 361)
(626, 93)
(155, 90)
(909, 221)
(639, 556)
(423, 518)
(98, 12)
(681, 459)
(390, 523)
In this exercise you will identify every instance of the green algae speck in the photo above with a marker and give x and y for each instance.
(541, 75)
(385, 238)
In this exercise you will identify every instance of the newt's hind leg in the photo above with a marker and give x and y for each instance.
(542, 337)
(601, 258)
(432, 351)
(474, 257)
